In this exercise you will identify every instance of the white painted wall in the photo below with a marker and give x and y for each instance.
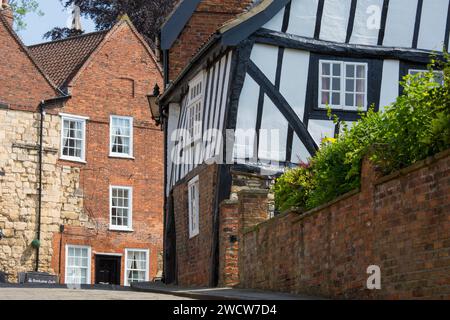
(433, 24)
(335, 20)
(367, 22)
(389, 83)
(302, 20)
(299, 153)
(265, 57)
(276, 23)
(400, 23)
(321, 129)
(294, 79)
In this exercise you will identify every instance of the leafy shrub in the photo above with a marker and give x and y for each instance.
(416, 126)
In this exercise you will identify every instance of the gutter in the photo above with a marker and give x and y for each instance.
(42, 106)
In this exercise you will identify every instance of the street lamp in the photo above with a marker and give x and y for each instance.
(153, 101)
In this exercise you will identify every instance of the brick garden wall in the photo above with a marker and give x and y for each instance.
(400, 223)
(194, 256)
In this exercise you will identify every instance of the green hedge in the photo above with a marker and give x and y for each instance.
(416, 126)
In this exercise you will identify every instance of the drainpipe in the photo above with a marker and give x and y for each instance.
(42, 106)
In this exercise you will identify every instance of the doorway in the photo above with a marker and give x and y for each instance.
(107, 269)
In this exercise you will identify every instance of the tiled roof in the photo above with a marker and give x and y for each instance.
(62, 59)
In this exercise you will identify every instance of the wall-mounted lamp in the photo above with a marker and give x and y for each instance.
(153, 101)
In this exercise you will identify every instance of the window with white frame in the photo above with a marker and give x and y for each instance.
(78, 265)
(73, 141)
(137, 263)
(343, 85)
(195, 107)
(438, 75)
(121, 207)
(121, 141)
(194, 209)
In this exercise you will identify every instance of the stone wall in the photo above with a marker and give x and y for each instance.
(61, 203)
(400, 223)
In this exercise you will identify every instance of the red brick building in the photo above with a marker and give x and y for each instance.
(102, 201)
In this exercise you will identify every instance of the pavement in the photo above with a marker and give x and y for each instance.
(63, 293)
(216, 293)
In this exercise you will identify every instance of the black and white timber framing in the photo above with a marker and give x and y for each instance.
(262, 72)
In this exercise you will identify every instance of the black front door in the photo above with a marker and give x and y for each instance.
(107, 270)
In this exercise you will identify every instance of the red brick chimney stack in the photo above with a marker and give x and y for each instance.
(6, 11)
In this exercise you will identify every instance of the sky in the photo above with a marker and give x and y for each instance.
(55, 15)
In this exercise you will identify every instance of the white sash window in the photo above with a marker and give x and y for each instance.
(194, 210)
(78, 265)
(343, 85)
(137, 264)
(121, 140)
(73, 141)
(121, 199)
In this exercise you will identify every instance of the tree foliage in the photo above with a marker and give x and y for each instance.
(62, 33)
(146, 15)
(416, 126)
(21, 8)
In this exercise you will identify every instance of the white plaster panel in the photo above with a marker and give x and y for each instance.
(273, 134)
(366, 27)
(401, 19)
(266, 57)
(321, 129)
(433, 24)
(335, 20)
(389, 83)
(294, 79)
(302, 20)
(299, 152)
(276, 23)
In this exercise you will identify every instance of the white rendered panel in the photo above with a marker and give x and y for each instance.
(321, 129)
(276, 23)
(172, 123)
(294, 79)
(389, 83)
(335, 20)
(273, 134)
(224, 101)
(246, 119)
(266, 57)
(299, 152)
(302, 20)
(401, 19)
(349, 124)
(366, 27)
(433, 24)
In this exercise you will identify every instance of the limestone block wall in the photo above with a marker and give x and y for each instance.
(62, 201)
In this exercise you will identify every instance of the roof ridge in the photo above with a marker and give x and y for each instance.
(70, 38)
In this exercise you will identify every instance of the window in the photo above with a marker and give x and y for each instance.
(121, 208)
(136, 269)
(73, 132)
(343, 85)
(193, 190)
(121, 137)
(438, 75)
(78, 264)
(195, 107)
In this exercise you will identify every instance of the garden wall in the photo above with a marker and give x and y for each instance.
(400, 223)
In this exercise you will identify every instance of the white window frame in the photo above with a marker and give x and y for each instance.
(129, 227)
(194, 215)
(111, 142)
(411, 71)
(342, 90)
(70, 117)
(88, 275)
(194, 109)
(147, 262)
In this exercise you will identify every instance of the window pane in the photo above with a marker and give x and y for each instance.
(350, 71)
(326, 83)
(360, 85)
(325, 98)
(361, 71)
(336, 99)
(336, 69)
(360, 100)
(349, 99)
(336, 84)
(326, 69)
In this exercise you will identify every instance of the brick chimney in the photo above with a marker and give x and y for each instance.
(209, 16)
(6, 11)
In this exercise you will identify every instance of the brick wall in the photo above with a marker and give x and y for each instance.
(194, 256)
(400, 223)
(207, 18)
(116, 82)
